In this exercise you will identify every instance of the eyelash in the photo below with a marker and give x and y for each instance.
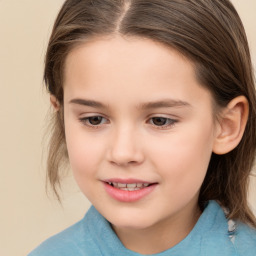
(85, 121)
(170, 122)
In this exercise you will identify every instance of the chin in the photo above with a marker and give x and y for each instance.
(130, 220)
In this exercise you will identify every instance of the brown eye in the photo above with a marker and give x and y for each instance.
(159, 121)
(95, 120)
(162, 121)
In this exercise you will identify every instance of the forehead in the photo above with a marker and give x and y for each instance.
(128, 53)
(130, 67)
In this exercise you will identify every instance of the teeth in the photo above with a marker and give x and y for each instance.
(130, 186)
(121, 185)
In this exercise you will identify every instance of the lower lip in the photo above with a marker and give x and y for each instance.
(128, 196)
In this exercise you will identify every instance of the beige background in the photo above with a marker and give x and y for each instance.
(27, 215)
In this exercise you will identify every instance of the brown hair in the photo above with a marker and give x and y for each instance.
(209, 33)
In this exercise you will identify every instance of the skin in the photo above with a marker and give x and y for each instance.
(124, 75)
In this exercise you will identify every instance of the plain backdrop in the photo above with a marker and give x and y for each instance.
(27, 215)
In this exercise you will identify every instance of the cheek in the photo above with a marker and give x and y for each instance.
(183, 159)
(84, 152)
(84, 161)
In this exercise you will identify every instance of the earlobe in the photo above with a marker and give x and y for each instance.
(55, 103)
(232, 124)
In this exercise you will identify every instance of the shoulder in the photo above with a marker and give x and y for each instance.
(232, 237)
(75, 240)
(245, 240)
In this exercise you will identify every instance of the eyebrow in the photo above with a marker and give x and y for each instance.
(88, 103)
(167, 103)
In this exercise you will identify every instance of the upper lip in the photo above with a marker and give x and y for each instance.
(127, 181)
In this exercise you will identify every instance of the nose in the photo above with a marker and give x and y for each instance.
(125, 148)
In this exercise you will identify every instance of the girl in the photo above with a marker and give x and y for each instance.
(156, 113)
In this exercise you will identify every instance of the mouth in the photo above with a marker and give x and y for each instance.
(128, 190)
(129, 186)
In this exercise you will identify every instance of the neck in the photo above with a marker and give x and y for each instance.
(162, 235)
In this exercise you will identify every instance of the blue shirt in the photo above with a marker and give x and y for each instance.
(93, 236)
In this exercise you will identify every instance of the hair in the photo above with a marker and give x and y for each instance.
(207, 32)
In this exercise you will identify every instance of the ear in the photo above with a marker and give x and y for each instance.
(231, 125)
(55, 103)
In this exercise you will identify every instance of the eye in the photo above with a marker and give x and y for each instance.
(162, 121)
(93, 120)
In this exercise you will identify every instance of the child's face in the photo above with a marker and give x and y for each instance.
(135, 113)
